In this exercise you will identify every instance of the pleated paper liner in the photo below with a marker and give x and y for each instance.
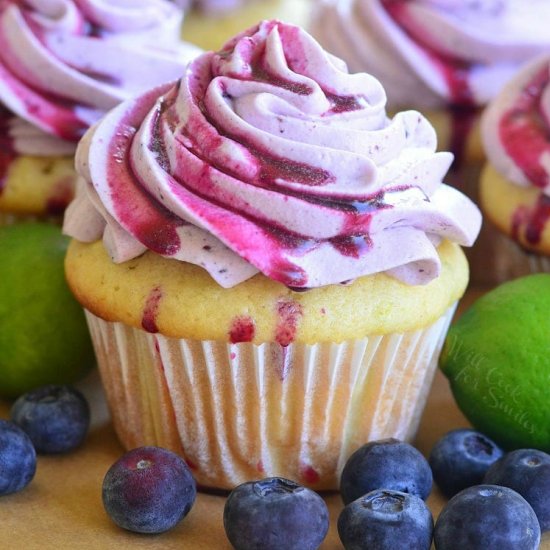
(239, 412)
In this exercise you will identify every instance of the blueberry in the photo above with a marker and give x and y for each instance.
(275, 513)
(460, 459)
(56, 418)
(487, 516)
(17, 458)
(385, 464)
(386, 520)
(148, 490)
(526, 471)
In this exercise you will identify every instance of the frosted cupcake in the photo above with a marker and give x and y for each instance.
(515, 184)
(268, 263)
(63, 64)
(448, 57)
(210, 23)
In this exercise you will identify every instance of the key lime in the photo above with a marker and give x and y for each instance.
(43, 333)
(497, 360)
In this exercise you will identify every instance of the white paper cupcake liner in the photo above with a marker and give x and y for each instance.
(238, 412)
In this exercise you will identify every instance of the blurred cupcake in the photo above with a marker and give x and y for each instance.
(63, 64)
(268, 264)
(449, 57)
(211, 7)
(210, 23)
(515, 184)
(446, 57)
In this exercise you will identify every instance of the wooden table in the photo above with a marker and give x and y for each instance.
(62, 506)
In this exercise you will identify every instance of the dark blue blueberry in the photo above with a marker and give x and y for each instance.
(148, 490)
(460, 459)
(56, 418)
(275, 513)
(17, 458)
(386, 520)
(484, 517)
(526, 471)
(385, 464)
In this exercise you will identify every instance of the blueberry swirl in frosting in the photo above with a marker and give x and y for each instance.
(269, 156)
(64, 63)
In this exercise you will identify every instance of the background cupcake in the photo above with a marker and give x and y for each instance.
(212, 22)
(446, 57)
(515, 184)
(212, 7)
(449, 57)
(63, 64)
(269, 264)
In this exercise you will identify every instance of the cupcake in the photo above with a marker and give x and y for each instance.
(448, 57)
(268, 263)
(210, 23)
(63, 64)
(212, 7)
(515, 183)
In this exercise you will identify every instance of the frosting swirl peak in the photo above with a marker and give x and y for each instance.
(269, 156)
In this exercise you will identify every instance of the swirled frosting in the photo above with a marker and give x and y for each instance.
(64, 63)
(431, 53)
(269, 156)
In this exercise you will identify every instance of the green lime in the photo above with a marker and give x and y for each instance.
(43, 334)
(497, 360)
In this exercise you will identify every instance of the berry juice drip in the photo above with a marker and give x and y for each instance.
(150, 312)
(353, 246)
(242, 329)
(151, 223)
(287, 273)
(462, 110)
(532, 220)
(309, 474)
(289, 314)
(7, 152)
(538, 219)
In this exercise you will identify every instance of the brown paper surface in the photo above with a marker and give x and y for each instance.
(61, 508)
